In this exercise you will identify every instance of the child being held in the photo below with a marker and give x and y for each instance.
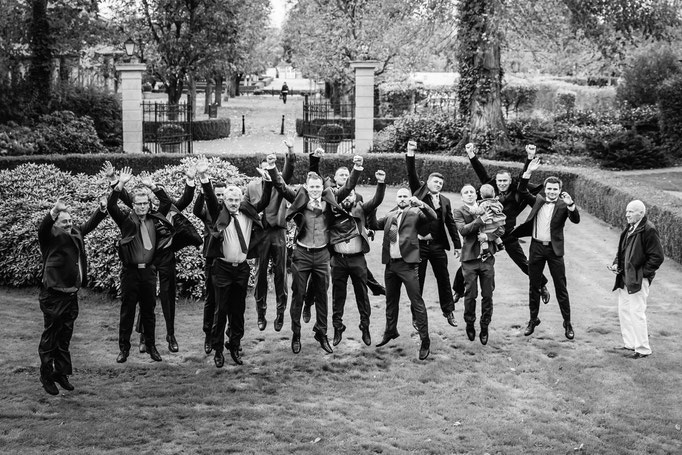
(490, 204)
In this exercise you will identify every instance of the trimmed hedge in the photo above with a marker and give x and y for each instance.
(348, 124)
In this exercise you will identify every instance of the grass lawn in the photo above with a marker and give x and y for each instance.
(541, 394)
(667, 181)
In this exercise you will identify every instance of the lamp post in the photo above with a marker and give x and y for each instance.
(131, 98)
(130, 47)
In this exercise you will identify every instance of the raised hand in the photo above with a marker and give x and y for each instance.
(289, 143)
(470, 148)
(415, 202)
(59, 205)
(380, 176)
(411, 148)
(271, 159)
(566, 198)
(125, 175)
(358, 160)
(103, 204)
(533, 165)
(202, 165)
(146, 180)
(109, 170)
(190, 172)
(318, 152)
(530, 151)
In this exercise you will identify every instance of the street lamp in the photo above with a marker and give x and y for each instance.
(129, 47)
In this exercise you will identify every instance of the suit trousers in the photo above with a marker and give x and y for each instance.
(354, 267)
(165, 267)
(137, 285)
(430, 251)
(399, 272)
(372, 285)
(60, 311)
(209, 303)
(538, 256)
(230, 283)
(314, 265)
(632, 316)
(515, 252)
(474, 271)
(274, 247)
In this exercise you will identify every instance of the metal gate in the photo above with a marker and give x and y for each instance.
(167, 127)
(328, 125)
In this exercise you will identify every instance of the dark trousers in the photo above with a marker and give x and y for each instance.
(372, 284)
(314, 265)
(165, 267)
(273, 247)
(229, 285)
(354, 267)
(436, 255)
(60, 311)
(209, 303)
(540, 254)
(137, 285)
(475, 271)
(399, 272)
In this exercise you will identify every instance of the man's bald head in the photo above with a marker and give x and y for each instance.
(635, 211)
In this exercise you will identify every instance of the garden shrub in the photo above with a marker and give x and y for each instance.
(63, 132)
(670, 108)
(647, 69)
(628, 150)
(19, 140)
(434, 132)
(566, 101)
(207, 130)
(643, 120)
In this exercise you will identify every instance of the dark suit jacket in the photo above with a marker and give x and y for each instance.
(435, 228)
(556, 225)
(345, 228)
(407, 231)
(275, 213)
(638, 257)
(469, 226)
(61, 251)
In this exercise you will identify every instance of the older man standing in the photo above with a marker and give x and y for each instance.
(639, 256)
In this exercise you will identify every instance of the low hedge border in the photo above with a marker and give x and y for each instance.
(603, 194)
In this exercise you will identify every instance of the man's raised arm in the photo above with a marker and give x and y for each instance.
(477, 165)
(412, 177)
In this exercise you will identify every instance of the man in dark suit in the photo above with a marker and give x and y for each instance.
(639, 256)
(311, 209)
(474, 268)
(65, 271)
(400, 253)
(545, 224)
(143, 233)
(237, 232)
(274, 244)
(433, 238)
(348, 245)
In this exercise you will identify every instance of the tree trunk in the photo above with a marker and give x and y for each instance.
(192, 97)
(208, 95)
(40, 72)
(237, 79)
(219, 90)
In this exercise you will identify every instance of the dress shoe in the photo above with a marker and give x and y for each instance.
(296, 343)
(154, 353)
(324, 342)
(234, 353)
(122, 357)
(531, 326)
(63, 381)
(388, 337)
(636, 355)
(218, 359)
(143, 345)
(379, 290)
(457, 297)
(425, 349)
(279, 321)
(49, 386)
(338, 335)
(451, 318)
(544, 293)
(366, 337)
(569, 330)
(306, 314)
(172, 343)
(207, 344)
(227, 346)
(483, 336)
(471, 332)
(262, 323)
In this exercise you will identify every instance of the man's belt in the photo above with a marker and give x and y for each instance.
(137, 266)
(233, 264)
(350, 255)
(310, 250)
(396, 260)
(542, 242)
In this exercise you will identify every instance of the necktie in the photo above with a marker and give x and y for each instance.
(237, 226)
(146, 240)
(316, 203)
(436, 201)
(393, 229)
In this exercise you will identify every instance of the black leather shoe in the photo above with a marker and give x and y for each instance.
(172, 343)
(234, 353)
(471, 332)
(279, 322)
(483, 336)
(63, 381)
(569, 330)
(154, 353)
(366, 337)
(425, 349)
(338, 335)
(122, 357)
(49, 386)
(544, 293)
(296, 343)
(262, 323)
(531, 326)
(388, 337)
(143, 345)
(218, 359)
(457, 297)
(324, 342)
(207, 344)
(306, 314)
(227, 346)
(636, 355)
(451, 318)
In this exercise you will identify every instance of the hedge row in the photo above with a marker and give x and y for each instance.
(202, 130)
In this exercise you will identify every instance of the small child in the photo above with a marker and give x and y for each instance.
(490, 204)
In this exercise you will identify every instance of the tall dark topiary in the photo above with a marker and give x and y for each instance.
(670, 108)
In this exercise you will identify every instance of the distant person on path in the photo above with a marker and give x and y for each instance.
(284, 92)
(545, 224)
(65, 271)
(639, 256)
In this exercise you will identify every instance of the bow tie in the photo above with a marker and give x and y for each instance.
(550, 202)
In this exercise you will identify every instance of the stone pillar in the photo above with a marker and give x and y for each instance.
(364, 104)
(131, 105)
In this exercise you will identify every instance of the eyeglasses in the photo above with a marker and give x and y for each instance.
(141, 203)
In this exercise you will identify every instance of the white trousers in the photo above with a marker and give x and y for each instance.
(632, 315)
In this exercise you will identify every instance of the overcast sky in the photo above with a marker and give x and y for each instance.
(278, 12)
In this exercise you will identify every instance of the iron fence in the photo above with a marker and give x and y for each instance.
(167, 127)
